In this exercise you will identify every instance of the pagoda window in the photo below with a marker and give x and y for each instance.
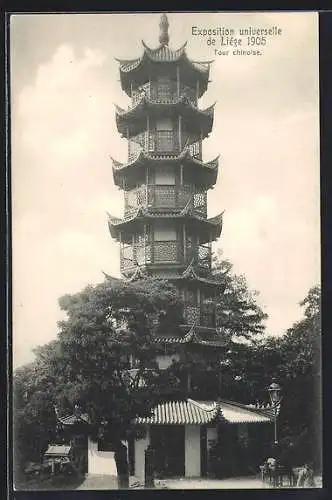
(163, 231)
(164, 89)
(164, 123)
(191, 297)
(208, 308)
(165, 176)
(166, 245)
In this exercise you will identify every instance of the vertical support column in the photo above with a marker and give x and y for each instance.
(180, 133)
(144, 236)
(197, 90)
(192, 451)
(140, 447)
(121, 252)
(147, 140)
(184, 243)
(200, 144)
(178, 81)
(199, 300)
(128, 143)
(147, 189)
(133, 247)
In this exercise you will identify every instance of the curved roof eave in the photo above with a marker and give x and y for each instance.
(163, 53)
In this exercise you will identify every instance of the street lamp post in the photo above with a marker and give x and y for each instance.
(274, 392)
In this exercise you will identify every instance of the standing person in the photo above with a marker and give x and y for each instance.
(306, 477)
(272, 466)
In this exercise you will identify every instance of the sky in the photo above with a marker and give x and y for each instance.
(64, 84)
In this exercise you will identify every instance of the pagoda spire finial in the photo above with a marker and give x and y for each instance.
(163, 25)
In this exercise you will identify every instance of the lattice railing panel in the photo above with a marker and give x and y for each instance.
(200, 203)
(191, 315)
(165, 141)
(135, 198)
(204, 256)
(127, 260)
(166, 251)
(196, 150)
(164, 93)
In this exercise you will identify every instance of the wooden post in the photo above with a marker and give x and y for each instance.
(197, 91)
(178, 81)
(184, 242)
(147, 142)
(181, 174)
(199, 303)
(144, 243)
(180, 133)
(189, 383)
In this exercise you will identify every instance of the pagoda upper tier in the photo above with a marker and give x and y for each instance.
(136, 72)
(135, 120)
(194, 171)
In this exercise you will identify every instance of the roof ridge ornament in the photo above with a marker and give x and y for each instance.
(163, 25)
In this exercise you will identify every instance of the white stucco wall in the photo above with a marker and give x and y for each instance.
(100, 462)
(140, 447)
(192, 451)
(165, 360)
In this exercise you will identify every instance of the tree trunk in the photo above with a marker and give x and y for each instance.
(122, 467)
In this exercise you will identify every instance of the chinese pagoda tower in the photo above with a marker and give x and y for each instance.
(165, 231)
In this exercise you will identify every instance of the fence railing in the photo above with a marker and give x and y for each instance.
(160, 252)
(165, 197)
(164, 93)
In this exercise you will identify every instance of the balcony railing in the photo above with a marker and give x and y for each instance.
(164, 252)
(165, 197)
(200, 316)
(164, 93)
(162, 142)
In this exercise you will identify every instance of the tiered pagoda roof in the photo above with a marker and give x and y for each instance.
(208, 170)
(209, 228)
(131, 120)
(136, 69)
(209, 337)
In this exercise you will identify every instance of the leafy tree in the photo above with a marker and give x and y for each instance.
(87, 364)
(300, 375)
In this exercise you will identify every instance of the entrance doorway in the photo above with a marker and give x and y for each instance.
(168, 441)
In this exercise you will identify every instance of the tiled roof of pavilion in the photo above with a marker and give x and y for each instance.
(142, 158)
(193, 412)
(73, 419)
(57, 450)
